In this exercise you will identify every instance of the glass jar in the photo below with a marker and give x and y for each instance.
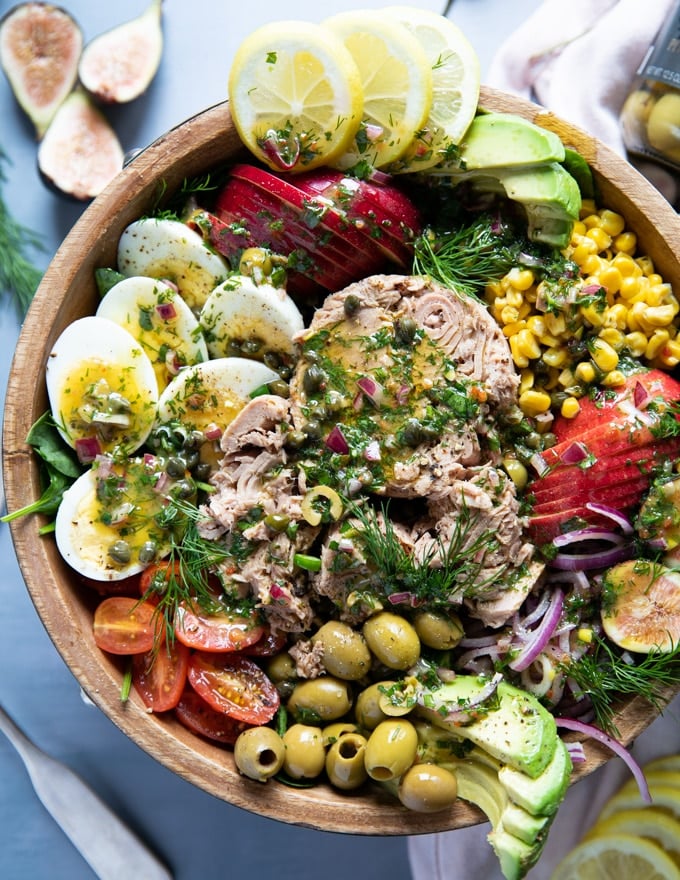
(650, 116)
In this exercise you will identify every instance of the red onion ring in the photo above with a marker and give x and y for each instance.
(587, 561)
(612, 514)
(618, 748)
(541, 635)
(589, 533)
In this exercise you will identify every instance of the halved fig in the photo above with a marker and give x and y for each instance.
(118, 65)
(40, 46)
(80, 152)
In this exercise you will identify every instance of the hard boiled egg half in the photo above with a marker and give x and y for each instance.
(109, 523)
(102, 388)
(159, 319)
(169, 249)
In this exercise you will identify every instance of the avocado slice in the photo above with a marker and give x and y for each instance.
(514, 855)
(498, 140)
(512, 725)
(542, 795)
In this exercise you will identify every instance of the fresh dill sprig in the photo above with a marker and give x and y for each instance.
(19, 277)
(446, 570)
(604, 676)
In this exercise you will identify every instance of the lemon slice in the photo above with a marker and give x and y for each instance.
(295, 95)
(647, 822)
(397, 84)
(616, 857)
(455, 86)
(666, 797)
(670, 763)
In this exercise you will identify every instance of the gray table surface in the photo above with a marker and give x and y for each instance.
(199, 836)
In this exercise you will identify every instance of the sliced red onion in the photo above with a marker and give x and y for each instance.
(589, 561)
(166, 311)
(212, 432)
(87, 449)
(525, 622)
(541, 635)
(482, 642)
(591, 289)
(590, 533)
(372, 390)
(612, 514)
(345, 545)
(173, 363)
(162, 483)
(149, 460)
(104, 466)
(374, 132)
(272, 147)
(278, 593)
(400, 598)
(577, 579)
(170, 283)
(618, 748)
(576, 752)
(402, 394)
(372, 451)
(641, 396)
(462, 712)
(379, 177)
(337, 442)
(471, 659)
(575, 453)
(539, 464)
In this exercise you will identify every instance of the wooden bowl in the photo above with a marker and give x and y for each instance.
(68, 292)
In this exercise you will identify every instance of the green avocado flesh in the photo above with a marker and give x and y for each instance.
(496, 140)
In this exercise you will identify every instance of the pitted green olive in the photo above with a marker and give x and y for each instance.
(320, 699)
(345, 653)
(392, 639)
(428, 788)
(259, 753)
(345, 762)
(663, 126)
(367, 709)
(391, 749)
(280, 667)
(437, 630)
(333, 732)
(634, 115)
(305, 752)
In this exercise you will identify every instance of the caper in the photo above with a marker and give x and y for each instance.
(202, 471)
(234, 348)
(345, 652)
(279, 387)
(413, 434)
(391, 749)
(194, 439)
(259, 753)
(392, 639)
(118, 403)
(405, 330)
(314, 378)
(305, 752)
(312, 429)
(352, 304)
(254, 261)
(278, 522)
(335, 401)
(324, 698)
(251, 346)
(120, 552)
(427, 788)
(148, 552)
(367, 709)
(438, 630)
(183, 489)
(296, 439)
(533, 440)
(317, 409)
(192, 459)
(175, 467)
(272, 360)
(345, 762)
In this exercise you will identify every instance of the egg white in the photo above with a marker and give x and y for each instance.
(172, 250)
(169, 342)
(91, 350)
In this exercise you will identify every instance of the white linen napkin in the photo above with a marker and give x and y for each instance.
(579, 60)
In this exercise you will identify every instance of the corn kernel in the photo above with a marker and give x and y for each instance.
(655, 278)
(570, 408)
(526, 380)
(556, 324)
(613, 379)
(536, 323)
(588, 207)
(626, 265)
(635, 316)
(513, 298)
(612, 223)
(520, 359)
(566, 378)
(521, 279)
(509, 315)
(657, 294)
(613, 337)
(592, 265)
(657, 316)
(610, 279)
(615, 316)
(600, 237)
(593, 315)
(670, 354)
(534, 402)
(646, 264)
(657, 341)
(578, 229)
(513, 329)
(626, 243)
(591, 221)
(528, 344)
(585, 634)
(555, 356)
(629, 287)
(585, 372)
(583, 251)
(604, 355)
(636, 343)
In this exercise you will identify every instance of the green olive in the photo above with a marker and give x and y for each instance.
(428, 788)
(332, 732)
(254, 260)
(324, 699)
(437, 630)
(392, 639)
(367, 709)
(634, 115)
(259, 753)
(345, 762)
(663, 126)
(280, 667)
(391, 749)
(305, 751)
(345, 652)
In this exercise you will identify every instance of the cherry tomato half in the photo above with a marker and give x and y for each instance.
(235, 685)
(159, 676)
(215, 632)
(196, 715)
(151, 580)
(124, 625)
(267, 645)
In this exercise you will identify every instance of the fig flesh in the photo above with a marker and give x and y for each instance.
(40, 47)
(80, 152)
(119, 65)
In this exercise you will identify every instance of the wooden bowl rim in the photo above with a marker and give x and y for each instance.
(60, 603)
